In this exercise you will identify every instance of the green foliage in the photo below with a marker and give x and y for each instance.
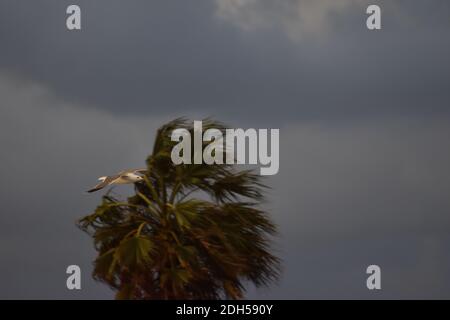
(165, 242)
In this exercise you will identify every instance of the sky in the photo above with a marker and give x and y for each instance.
(363, 116)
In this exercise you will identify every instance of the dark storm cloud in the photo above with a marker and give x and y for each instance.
(363, 120)
(304, 58)
(347, 195)
(52, 152)
(375, 192)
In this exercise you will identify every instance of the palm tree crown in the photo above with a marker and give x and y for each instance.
(168, 242)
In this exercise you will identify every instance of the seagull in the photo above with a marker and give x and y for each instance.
(123, 177)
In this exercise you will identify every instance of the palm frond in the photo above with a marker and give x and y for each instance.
(168, 242)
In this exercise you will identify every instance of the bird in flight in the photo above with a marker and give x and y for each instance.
(123, 177)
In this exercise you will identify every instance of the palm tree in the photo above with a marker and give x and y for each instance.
(168, 242)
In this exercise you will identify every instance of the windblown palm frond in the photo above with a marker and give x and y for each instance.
(167, 242)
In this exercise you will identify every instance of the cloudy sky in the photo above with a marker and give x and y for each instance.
(363, 116)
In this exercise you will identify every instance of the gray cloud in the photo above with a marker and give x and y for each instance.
(298, 19)
(363, 115)
(302, 20)
(354, 194)
(52, 152)
(347, 195)
(148, 57)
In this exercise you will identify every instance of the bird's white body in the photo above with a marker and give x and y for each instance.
(124, 177)
(127, 178)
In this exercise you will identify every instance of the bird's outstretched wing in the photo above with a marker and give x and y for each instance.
(141, 171)
(104, 183)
